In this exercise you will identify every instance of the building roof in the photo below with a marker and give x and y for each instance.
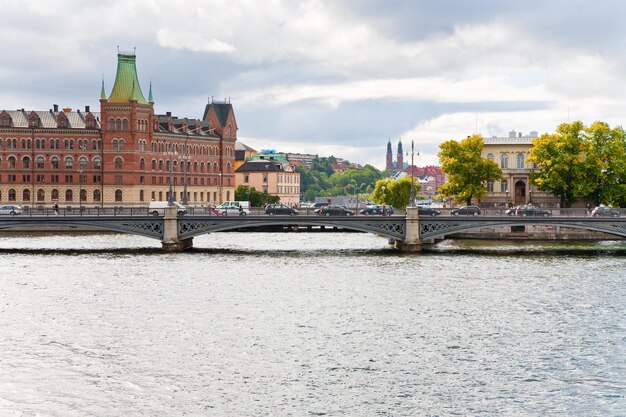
(524, 140)
(262, 166)
(222, 111)
(126, 85)
(48, 119)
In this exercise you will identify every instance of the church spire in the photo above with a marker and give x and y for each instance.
(103, 94)
(126, 87)
(150, 99)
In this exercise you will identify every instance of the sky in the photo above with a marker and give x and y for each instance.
(336, 77)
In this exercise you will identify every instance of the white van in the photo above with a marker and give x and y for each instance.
(157, 208)
(234, 208)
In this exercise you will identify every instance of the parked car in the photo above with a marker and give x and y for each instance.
(11, 209)
(427, 211)
(157, 208)
(466, 211)
(332, 210)
(528, 210)
(605, 211)
(376, 209)
(278, 209)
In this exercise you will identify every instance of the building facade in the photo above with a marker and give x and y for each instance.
(123, 155)
(510, 153)
(271, 174)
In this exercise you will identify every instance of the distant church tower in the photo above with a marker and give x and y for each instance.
(400, 157)
(389, 164)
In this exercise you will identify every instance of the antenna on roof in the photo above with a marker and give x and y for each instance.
(134, 50)
(118, 49)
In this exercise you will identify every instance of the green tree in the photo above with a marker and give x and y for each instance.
(256, 198)
(606, 164)
(466, 170)
(393, 192)
(565, 163)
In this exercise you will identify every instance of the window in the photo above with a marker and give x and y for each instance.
(246, 179)
(111, 124)
(119, 179)
(26, 195)
(490, 156)
(69, 162)
(40, 162)
(26, 162)
(69, 179)
(142, 164)
(11, 161)
(504, 186)
(97, 163)
(83, 195)
(118, 195)
(141, 195)
(54, 178)
(54, 195)
(124, 124)
(115, 145)
(69, 196)
(504, 160)
(55, 162)
(122, 142)
(118, 163)
(41, 195)
(520, 160)
(97, 179)
(96, 195)
(82, 162)
(153, 164)
(41, 178)
(490, 186)
(118, 124)
(11, 194)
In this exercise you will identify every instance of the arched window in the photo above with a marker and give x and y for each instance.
(228, 168)
(11, 194)
(83, 195)
(97, 163)
(11, 161)
(122, 142)
(94, 144)
(142, 164)
(124, 124)
(41, 162)
(118, 196)
(69, 162)
(154, 164)
(26, 162)
(141, 194)
(195, 166)
(111, 124)
(504, 160)
(41, 195)
(82, 162)
(201, 166)
(520, 160)
(26, 195)
(54, 195)
(161, 165)
(115, 145)
(55, 162)
(118, 163)
(490, 156)
(118, 124)
(69, 195)
(96, 195)
(175, 166)
(167, 166)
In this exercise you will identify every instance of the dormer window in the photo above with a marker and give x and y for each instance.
(5, 119)
(33, 120)
(62, 121)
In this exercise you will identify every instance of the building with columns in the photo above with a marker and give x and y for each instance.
(123, 155)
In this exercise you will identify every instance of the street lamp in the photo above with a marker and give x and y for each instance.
(170, 197)
(185, 159)
(384, 198)
(412, 195)
(80, 191)
(220, 184)
(507, 197)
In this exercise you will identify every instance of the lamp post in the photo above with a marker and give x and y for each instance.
(507, 197)
(384, 198)
(412, 195)
(170, 197)
(185, 201)
(220, 184)
(80, 191)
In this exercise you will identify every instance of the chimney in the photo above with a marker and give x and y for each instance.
(168, 113)
(55, 107)
(86, 109)
(512, 134)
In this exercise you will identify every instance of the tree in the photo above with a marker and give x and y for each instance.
(392, 192)
(466, 170)
(565, 161)
(256, 198)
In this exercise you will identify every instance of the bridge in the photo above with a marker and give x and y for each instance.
(407, 233)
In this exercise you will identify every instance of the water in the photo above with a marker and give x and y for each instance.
(310, 325)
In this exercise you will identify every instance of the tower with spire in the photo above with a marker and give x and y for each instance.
(400, 157)
(389, 164)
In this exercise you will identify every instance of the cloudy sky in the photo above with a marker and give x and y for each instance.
(336, 77)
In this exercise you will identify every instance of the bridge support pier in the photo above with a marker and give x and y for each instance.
(171, 242)
(411, 242)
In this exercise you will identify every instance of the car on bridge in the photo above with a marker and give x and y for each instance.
(604, 211)
(466, 211)
(332, 210)
(278, 209)
(376, 210)
(528, 210)
(11, 209)
(427, 211)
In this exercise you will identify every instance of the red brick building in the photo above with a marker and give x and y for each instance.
(123, 155)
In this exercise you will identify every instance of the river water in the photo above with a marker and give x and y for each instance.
(310, 325)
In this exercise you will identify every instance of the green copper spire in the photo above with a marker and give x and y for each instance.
(103, 94)
(150, 99)
(126, 85)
